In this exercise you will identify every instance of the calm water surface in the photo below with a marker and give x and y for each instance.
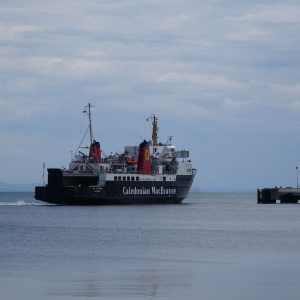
(214, 246)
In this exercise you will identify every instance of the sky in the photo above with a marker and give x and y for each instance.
(222, 77)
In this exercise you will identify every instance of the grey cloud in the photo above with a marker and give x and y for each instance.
(204, 63)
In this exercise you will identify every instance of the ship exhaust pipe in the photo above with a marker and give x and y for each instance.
(144, 163)
(95, 151)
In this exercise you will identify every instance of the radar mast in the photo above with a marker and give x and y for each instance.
(153, 118)
(87, 110)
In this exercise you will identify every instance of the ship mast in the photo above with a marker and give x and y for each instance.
(154, 129)
(88, 111)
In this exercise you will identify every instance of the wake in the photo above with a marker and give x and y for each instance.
(23, 203)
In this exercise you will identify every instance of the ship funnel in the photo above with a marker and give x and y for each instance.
(144, 163)
(95, 151)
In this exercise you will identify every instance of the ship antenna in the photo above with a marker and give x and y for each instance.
(154, 129)
(88, 111)
(169, 141)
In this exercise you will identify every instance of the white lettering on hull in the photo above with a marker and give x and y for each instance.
(144, 191)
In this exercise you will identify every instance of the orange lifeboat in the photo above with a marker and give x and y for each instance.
(130, 161)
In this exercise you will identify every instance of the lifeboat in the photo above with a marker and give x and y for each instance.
(131, 162)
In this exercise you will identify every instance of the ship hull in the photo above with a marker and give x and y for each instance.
(118, 193)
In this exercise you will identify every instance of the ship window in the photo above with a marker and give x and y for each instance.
(115, 178)
(137, 178)
(132, 178)
(119, 177)
(164, 178)
(124, 178)
(128, 178)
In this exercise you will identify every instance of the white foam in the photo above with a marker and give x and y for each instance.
(23, 203)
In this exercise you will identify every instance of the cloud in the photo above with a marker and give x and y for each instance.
(68, 67)
(290, 89)
(234, 104)
(21, 110)
(270, 14)
(211, 65)
(262, 22)
(215, 81)
(248, 34)
(12, 32)
(164, 107)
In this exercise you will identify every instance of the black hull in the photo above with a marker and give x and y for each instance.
(118, 193)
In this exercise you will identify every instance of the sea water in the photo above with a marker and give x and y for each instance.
(213, 246)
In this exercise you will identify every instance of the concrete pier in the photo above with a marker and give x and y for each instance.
(274, 195)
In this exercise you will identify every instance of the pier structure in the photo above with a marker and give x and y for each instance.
(278, 195)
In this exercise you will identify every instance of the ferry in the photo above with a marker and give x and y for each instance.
(149, 173)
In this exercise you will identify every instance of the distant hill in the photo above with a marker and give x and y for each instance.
(13, 187)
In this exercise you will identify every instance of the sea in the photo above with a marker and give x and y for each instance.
(214, 246)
